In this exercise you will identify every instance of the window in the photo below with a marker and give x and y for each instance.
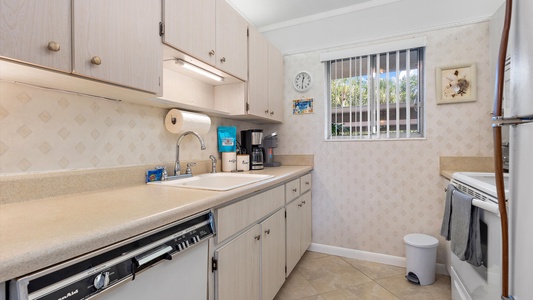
(377, 96)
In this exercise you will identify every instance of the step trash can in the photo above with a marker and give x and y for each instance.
(421, 258)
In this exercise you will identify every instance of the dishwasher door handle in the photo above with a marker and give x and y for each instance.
(147, 257)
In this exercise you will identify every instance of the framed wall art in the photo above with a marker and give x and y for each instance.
(456, 84)
(302, 106)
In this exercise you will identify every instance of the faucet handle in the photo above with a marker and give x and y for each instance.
(165, 174)
(213, 163)
(189, 170)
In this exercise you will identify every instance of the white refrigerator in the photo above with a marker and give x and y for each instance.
(519, 105)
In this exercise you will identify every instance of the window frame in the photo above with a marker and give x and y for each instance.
(373, 54)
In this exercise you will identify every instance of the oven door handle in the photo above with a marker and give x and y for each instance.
(490, 207)
(147, 257)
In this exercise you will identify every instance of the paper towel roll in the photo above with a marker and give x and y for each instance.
(178, 121)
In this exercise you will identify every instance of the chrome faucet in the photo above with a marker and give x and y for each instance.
(177, 168)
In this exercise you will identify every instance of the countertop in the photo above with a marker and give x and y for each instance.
(451, 164)
(39, 233)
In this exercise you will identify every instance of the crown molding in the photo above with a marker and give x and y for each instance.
(326, 15)
(419, 31)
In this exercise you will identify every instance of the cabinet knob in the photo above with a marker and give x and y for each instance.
(300, 205)
(294, 190)
(96, 60)
(53, 46)
(257, 237)
(271, 113)
(303, 202)
(266, 111)
(307, 183)
(223, 60)
(267, 231)
(212, 53)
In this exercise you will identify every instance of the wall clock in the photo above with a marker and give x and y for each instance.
(302, 82)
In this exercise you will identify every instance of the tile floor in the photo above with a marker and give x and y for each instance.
(320, 276)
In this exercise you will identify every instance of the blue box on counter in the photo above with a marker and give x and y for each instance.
(227, 138)
(154, 175)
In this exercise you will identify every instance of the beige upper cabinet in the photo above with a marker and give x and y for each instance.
(275, 83)
(37, 32)
(208, 30)
(265, 83)
(190, 27)
(258, 75)
(118, 42)
(231, 41)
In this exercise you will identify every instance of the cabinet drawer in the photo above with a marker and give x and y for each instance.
(235, 217)
(305, 183)
(292, 190)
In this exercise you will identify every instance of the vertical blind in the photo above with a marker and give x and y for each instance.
(377, 96)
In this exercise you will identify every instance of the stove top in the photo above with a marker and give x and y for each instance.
(483, 182)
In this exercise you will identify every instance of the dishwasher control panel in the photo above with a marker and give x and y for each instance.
(87, 276)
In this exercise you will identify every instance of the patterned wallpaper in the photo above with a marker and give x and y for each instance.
(44, 130)
(368, 195)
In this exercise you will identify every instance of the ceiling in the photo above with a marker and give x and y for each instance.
(265, 13)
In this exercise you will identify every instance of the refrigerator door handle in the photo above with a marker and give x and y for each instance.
(501, 121)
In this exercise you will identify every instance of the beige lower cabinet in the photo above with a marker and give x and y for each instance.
(260, 240)
(273, 255)
(252, 266)
(298, 229)
(238, 267)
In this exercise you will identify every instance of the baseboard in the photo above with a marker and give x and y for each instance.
(368, 256)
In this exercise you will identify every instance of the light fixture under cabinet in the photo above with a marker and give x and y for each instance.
(197, 69)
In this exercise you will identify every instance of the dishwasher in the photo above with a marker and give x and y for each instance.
(170, 262)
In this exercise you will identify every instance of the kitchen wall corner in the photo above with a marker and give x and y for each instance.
(368, 195)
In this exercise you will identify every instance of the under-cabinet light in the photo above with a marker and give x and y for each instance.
(198, 70)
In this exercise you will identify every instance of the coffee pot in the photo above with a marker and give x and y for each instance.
(251, 141)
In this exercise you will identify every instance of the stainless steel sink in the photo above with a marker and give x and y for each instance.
(215, 181)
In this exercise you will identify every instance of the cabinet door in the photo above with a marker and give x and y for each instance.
(238, 274)
(258, 74)
(293, 234)
(37, 32)
(118, 42)
(231, 41)
(190, 27)
(273, 255)
(275, 83)
(305, 222)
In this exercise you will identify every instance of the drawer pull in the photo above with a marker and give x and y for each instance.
(294, 190)
(300, 205)
(307, 183)
(303, 202)
(267, 231)
(257, 237)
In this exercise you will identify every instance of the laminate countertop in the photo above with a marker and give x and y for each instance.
(40, 233)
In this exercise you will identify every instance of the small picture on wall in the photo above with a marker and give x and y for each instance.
(302, 106)
(456, 83)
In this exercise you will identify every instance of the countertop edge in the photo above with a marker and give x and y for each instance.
(25, 261)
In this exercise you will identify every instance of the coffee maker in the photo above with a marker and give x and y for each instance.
(251, 140)
(270, 142)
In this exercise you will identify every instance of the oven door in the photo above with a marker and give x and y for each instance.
(483, 282)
